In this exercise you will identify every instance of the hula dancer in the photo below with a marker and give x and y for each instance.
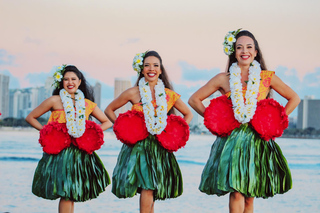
(245, 161)
(70, 169)
(146, 164)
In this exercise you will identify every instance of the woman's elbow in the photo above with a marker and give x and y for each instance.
(28, 118)
(191, 101)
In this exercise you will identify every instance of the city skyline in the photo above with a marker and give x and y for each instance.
(23, 101)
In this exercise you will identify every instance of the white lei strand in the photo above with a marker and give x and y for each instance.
(76, 124)
(243, 112)
(154, 124)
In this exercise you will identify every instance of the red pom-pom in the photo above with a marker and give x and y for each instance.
(92, 138)
(175, 135)
(270, 119)
(219, 118)
(54, 137)
(130, 127)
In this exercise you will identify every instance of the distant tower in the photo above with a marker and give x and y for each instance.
(120, 85)
(48, 87)
(309, 113)
(97, 94)
(4, 95)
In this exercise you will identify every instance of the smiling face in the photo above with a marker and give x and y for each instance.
(245, 50)
(151, 68)
(71, 82)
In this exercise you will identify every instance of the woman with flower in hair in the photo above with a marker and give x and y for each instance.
(146, 164)
(245, 161)
(70, 169)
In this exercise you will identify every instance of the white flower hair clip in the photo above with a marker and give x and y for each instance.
(57, 76)
(229, 39)
(137, 64)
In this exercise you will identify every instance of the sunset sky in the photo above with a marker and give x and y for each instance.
(102, 37)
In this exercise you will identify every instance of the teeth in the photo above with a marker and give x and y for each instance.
(151, 74)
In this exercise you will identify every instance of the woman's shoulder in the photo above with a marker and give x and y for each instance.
(53, 99)
(219, 79)
(222, 75)
(132, 91)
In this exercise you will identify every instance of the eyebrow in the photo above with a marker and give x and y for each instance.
(242, 45)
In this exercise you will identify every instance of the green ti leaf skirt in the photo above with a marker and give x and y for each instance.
(149, 166)
(243, 162)
(72, 174)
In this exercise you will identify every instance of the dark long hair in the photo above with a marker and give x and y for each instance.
(259, 57)
(163, 76)
(84, 86)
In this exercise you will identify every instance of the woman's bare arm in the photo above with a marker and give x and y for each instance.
(44, 107)
(214, 84)
(285, 91)
(124, 98)
(184, 109)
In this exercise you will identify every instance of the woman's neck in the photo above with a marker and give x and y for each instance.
(152, 84)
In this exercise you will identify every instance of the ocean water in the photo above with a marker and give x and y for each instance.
(20, 153)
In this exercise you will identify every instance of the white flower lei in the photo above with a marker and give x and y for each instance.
(243, 112)
(76, 124)
(154, 124)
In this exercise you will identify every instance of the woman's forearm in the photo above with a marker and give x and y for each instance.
(292, 104)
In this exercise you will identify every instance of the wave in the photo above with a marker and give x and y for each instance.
(19, 159)
(304, 166)
(291, 166)
(191, 162)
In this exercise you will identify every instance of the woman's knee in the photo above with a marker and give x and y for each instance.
(147, 192)
(236, 196)
(249, 201)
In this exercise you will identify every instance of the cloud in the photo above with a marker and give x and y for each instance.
(130, 41)
(13, 81)
(32, 40)
(312, 79)
(192, 73)
(309, 85)
(5, 58)
(288, 76)
(185, 91)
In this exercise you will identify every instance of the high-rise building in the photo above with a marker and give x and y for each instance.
(4, 95)
(309, 113)
(23, 101)
(48, 87)
(97, 94)
(20, 101)
(120, 85)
